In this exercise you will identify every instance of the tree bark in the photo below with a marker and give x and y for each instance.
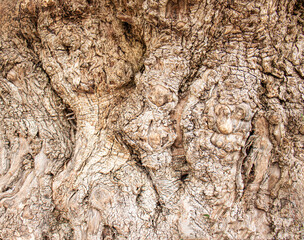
(145, 119)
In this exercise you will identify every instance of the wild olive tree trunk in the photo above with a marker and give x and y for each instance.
(151, 119)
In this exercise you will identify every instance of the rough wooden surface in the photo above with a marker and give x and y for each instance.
(145, 119)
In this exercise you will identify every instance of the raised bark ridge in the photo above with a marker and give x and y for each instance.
(151, 119)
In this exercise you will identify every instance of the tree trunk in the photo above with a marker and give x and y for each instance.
(145, 119)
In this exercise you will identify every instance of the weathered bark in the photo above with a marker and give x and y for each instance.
(145, 119)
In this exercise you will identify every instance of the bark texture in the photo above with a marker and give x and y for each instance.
(151, 119)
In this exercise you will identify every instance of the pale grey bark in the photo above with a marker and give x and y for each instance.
(169, 119)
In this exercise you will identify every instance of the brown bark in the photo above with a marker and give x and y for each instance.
(167, 119)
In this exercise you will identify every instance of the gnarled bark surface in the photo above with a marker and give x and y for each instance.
(145, 119)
